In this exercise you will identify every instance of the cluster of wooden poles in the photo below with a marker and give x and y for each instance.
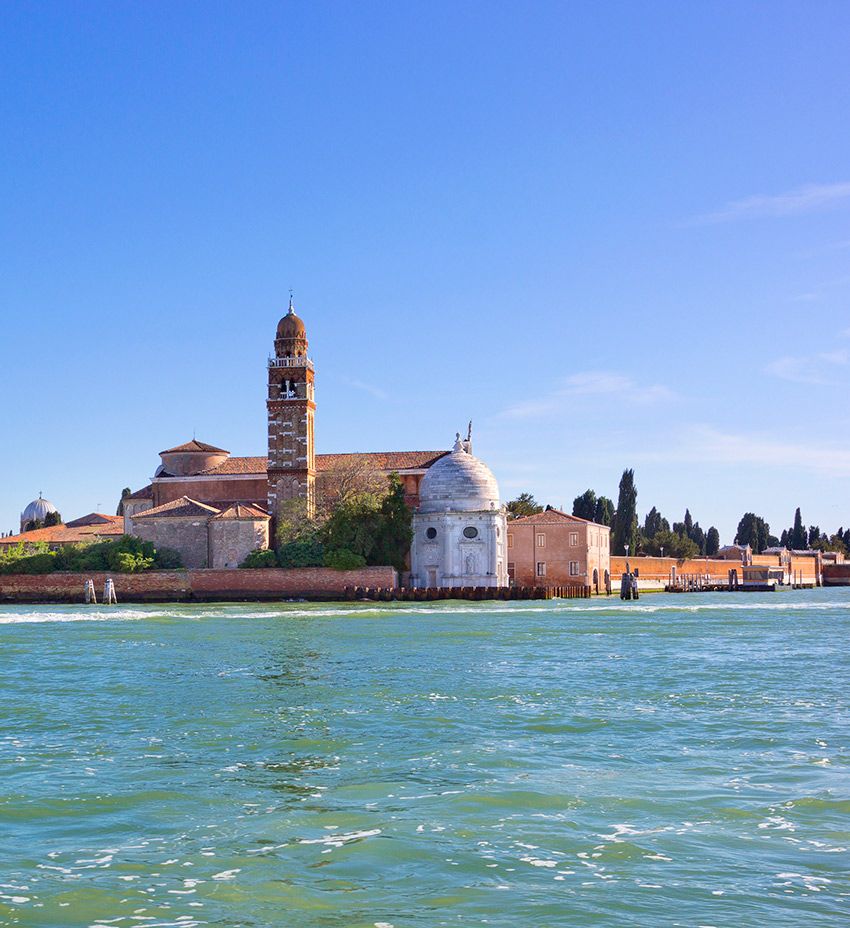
(478, 593)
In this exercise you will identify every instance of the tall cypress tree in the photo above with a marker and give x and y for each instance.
(799, 537)
(712, 541)
(604, 514)
(584, 506)
(625, 520)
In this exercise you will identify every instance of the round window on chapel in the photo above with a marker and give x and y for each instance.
(470, 531)
(431, 533)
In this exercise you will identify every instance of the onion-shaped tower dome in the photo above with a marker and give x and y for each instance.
(291, 338)
(458, 482)
(37, 511)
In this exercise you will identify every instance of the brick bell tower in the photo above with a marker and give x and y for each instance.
(291, 408)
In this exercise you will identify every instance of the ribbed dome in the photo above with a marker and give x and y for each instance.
(37, 511)
(291, 326)
(458, 482)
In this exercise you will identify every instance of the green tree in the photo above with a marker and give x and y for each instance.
(395, 527)
(524, 505)
(654, 523)
(124, 494)
(752, 531)
(378, 528)
(584, 506)
(293, 522)
(814, 536)
(52, 518)
(343, 559)
(712, 541)
(697, 536)
(798, 537)
(625, 521)
(672, 544)
(604, 513)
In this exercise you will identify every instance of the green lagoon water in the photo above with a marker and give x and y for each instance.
(677, 761)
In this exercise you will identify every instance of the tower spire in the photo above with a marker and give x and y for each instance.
(291, 304)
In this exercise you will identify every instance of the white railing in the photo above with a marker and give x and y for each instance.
(303, 361)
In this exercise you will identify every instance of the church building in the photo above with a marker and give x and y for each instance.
(201, 495)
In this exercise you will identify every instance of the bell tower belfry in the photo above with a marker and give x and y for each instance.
(291, 409)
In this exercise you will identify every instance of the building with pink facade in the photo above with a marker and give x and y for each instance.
(555, 549)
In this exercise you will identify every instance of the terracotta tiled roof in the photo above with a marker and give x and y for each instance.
(178, 508)
(72, 533)
(94, 518)
(144, 493)
(552, 517)
(195, 445)
(235, 465)
(381, 460)
(377, 460)
(242, 511)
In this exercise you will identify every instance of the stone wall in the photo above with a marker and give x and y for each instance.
(197, 585)
(188, 536)
(232, 540)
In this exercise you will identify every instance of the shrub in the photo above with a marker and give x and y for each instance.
(167, 559)
(36, 564)
(127, 554)
(308, 553)
(262, 557)
(129, 563)
(343, 559)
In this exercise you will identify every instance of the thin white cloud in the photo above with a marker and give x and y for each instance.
(817, 369)
(369, 388)
(590, 383)
(791, 203)
(705, 444)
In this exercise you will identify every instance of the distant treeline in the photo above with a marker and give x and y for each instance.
(685, 539)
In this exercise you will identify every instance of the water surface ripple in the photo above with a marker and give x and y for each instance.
(677, 761)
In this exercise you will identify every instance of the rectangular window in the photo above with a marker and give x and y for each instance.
(573, 539)
(510, 540)
(511, 569)
(541, 568)
(541, 540)
(573, 568)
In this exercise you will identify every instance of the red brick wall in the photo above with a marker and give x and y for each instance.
(208, 585)
(836, 575)
(658, 568)
(250, 488)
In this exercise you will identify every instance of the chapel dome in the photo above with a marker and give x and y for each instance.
(458, 482)
(37, 511)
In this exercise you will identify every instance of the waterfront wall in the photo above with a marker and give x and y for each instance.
(659, 568)
(836, 575)
(197, 585)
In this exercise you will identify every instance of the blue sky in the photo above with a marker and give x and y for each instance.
(612, 234)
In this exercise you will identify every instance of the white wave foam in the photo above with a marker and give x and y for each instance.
(108, 614)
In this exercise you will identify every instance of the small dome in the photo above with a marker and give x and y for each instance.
(37, 511)
(458, 482)
(291, 326)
